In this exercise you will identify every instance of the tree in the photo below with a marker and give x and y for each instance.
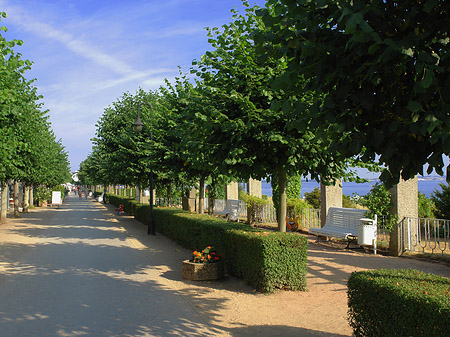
(442, 201)
(427, 207)
(381, 69)
(28, 149)
(313, 198)
(256, 133)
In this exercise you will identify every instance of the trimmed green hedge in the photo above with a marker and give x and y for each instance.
(403, 302)
(266, 260)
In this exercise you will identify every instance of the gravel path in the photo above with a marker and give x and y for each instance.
(81, 270)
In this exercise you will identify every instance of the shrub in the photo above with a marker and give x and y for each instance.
(41, 194)
(398, 303)
(267, 261)
(254, 206)
(296, 206)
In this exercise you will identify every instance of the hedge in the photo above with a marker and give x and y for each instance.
(402, 302)
(266, 260)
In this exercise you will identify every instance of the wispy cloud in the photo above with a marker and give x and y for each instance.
(77, 45)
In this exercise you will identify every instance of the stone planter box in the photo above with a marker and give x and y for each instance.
(202, 271)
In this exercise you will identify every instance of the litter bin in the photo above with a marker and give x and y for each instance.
(367, 232)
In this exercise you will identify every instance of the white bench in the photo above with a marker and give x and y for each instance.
(230, 210)
(349, 224)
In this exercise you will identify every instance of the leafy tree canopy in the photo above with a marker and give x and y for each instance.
(382, 68)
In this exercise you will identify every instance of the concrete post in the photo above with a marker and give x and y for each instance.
(330, 196)
(404, 204)
(254, 188)
(189, 203)
(232, 191)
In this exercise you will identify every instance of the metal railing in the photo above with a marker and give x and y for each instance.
(430, 236)
(164, 202)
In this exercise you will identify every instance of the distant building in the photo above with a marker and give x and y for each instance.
(75, 176)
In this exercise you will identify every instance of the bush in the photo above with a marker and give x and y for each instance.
(268, 261)
(296, 207)
(41, 194)
(398, 303)
(254, 207)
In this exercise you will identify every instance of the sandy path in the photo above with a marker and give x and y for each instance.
(229, 307)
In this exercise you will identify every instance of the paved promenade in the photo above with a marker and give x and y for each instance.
(81, 270)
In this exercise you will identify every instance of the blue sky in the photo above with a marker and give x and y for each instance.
(87, 53)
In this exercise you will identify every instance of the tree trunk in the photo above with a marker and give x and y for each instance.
(16, 198)
(201, 198)
(169, 194)
(31, 201)
(4, 202)
(26, 197)
(283, 202)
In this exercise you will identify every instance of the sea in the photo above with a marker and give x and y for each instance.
(426, 186)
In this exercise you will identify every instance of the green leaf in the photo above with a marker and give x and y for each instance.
(414, 106)
(427, 79)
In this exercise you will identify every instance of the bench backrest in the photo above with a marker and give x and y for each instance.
(344, 217)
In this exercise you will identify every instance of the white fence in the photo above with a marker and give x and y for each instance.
(431, 236)
(267, 213)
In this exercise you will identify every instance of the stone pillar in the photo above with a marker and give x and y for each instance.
(254, 188)
(330, 196)
(189, 203)
(232, 191)
(404, 204)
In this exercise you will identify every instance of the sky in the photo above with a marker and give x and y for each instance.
(87, 53)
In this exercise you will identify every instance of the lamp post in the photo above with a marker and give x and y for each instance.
(138, 125)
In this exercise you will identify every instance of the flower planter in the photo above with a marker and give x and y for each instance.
(202, 271)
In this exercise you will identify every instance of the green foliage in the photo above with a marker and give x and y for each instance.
(347, 202)
(254, 206)
(41, 194)
(59, 188)
(29, 150)
(296, 206)
(381, 69)
(398, 303)
(426, 206)
(293, 190)
(379, 202)
(266, 260)
(313, 198)
(442, 201)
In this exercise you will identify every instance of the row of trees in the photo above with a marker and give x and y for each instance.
(29, 150)
(310, 88)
